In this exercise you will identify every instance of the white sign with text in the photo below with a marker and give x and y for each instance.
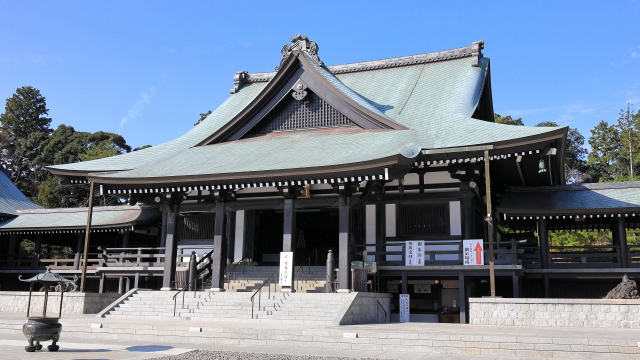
(404, 308)
(414, 253)
(286, 268)
(472, 252)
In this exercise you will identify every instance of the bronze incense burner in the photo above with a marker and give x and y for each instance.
(43, 328)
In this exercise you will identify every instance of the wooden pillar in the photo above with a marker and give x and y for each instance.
(380, 229)
(622, 241)
(103, 278)
(405, 283)
(515, 280)
(12, 250)
(171, 247)
(218, 258)
(490, 227)
(231, 236)
(163, 231)
(344, 262)
(462, 300)
(543, 233)
(87, 237)
(120, 281)
(78, 256)
(125, 238)
(36, 251)
(289, 233)
(468, 223)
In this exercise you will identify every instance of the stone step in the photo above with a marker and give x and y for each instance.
(384, 337)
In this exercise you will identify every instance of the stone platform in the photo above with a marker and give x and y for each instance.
(384, 340)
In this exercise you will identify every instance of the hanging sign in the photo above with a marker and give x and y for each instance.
(473, 252)
(286, 268)
(414, 253)
(404, 308)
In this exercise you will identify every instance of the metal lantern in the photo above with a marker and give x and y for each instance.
(44, 328)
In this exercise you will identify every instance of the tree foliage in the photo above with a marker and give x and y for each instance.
(615, 148)
(28, 145)
(507, 120)
(575, 156)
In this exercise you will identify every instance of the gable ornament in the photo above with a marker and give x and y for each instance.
(300, 43)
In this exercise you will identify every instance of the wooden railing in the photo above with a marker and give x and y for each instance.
(584, 256)
(141, 256)
(634, 255)
(55, 261)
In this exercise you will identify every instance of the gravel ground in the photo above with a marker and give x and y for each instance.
(232, 355)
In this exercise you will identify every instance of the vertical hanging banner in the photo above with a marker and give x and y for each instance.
(286, 268)
(405, 312)
(472, 252)
(414, 253)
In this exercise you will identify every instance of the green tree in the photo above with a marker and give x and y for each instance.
(507, 120)
(142, 147)
(629, 131)
(202, 117)
(575, 162)
(605, 148)
(25, 129)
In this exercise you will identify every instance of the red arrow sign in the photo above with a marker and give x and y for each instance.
(478, 250)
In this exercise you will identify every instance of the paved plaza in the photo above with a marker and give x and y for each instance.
(130, 339)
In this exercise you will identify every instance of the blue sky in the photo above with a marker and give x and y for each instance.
(147, 69)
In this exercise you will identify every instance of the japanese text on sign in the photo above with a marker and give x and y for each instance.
(414, 253)
(404, 308)
(473, 252)
(286, 268)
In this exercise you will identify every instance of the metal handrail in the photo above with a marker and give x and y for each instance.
(259, 291)
(233, 266)
(382, 307)
(195, 278)
(308, 267)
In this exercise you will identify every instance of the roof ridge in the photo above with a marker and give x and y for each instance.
(474, 50)
(84, 209)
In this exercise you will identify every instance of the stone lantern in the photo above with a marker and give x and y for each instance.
(43, 328)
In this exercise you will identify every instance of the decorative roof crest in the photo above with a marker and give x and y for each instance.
(301, 43)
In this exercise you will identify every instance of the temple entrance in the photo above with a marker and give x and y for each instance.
(316, 228)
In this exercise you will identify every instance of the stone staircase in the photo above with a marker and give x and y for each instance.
(249, 278)
(290, 308)
(407, 340)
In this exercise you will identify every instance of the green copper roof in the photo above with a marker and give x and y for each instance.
(434, 99)
(12, 199)
(76, 218)
(292, 151)
(577, 199)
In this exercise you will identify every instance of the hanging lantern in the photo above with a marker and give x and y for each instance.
(541, 166)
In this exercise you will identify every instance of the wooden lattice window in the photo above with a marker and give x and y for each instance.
(424, 219)
(196, 226)
(310, 113)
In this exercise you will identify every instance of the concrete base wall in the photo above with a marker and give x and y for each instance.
(363, 307)
(599, 313)
(73, 303)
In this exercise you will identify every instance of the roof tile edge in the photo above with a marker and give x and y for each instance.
(474, 50)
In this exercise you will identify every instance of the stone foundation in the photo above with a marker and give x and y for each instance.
(73, 303)
(362, 308)
(600, 313)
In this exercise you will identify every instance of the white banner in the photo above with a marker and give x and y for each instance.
(414, 253)
(472, 252)
(404, 308)
(286, 268)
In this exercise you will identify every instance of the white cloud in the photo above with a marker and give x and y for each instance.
(635, 55)
(138, 106)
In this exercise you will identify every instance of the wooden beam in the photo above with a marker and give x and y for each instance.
(171, 247)
(218, 258)
(487, 177)
(87, 236)
(344, 262)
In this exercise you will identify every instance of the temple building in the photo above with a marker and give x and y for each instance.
(369, 159)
